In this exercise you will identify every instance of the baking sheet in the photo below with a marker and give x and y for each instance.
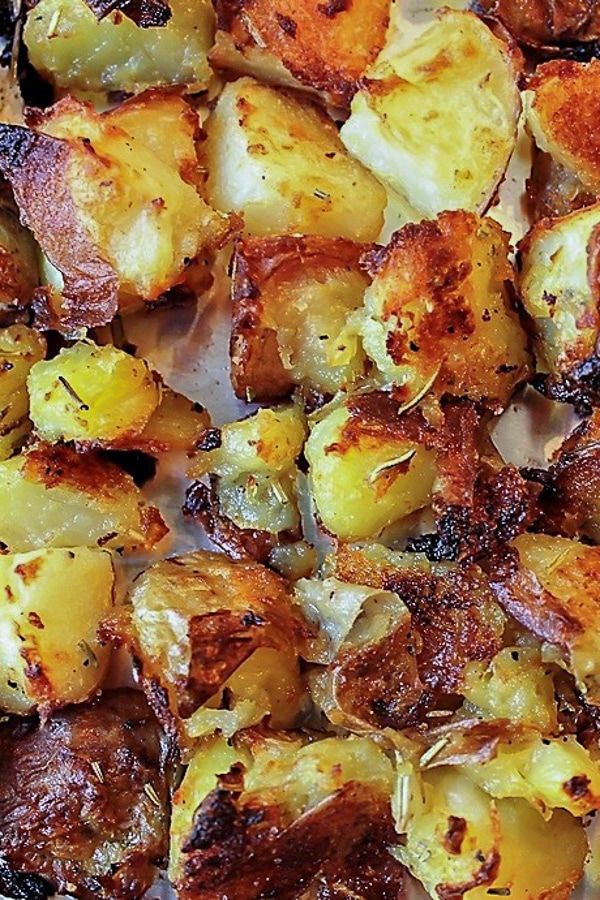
(189, 347)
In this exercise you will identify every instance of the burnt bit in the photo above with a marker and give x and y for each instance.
(333, 7)
(577, 786)
(23, 885)
(213, 821)
(144, 13)
(287, 24)
(139, 465)
(580, 387)
(455, 834)
(209, 440)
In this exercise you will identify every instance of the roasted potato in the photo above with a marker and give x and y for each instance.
(439, 316)
(558, 287)
(20, 349)
(75, 51)
(562, 109)
(83, 799)
(255, 464)
(324, 47)
(19, 274)
(270, 815)
(550, 585)
(117, 220)
(54, 602)
(292, 299)
(217, 644)
(177, 423)
(459, 841)
(365, 452)
(437, 121)
(92, 395)
(571, 26)
(51, 496)
(279, 161)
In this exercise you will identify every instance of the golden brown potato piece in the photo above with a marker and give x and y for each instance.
(323, 46)
(53, 603)
(83, 799)
(562, 111)
(439, 314)
(19, 275)
(545, 25)
(95, 46)
(550, 585)
(20, 349)
(176, 424)
(217, 644)
(292, 297)
(271, 816)
(279, 161)
(117, 219)
(436, 120)
(51, 496)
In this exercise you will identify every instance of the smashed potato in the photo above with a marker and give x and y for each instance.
(20, 349)
(53, 603)
(437, 121)
(217, 643)
(280, 163)
(75, 51)
(293, 297)
(366, 453)
(130, 223)
(323, 47)
(300, 819)
(550, 585)
(51, 496)
(83, 800)
(439, 314)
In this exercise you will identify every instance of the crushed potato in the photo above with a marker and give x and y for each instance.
(20, 349)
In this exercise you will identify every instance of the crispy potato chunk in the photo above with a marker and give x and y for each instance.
(562, 110)
(52, 496)
(177, 423)
(53, 602)
(550, 585)
(92, 395)
(279, 161)
(437, 121)
(364, 452)
(290, 819)
(75, 51)
(439, 315)
(20, 349)
(129, 220)
(460, 841)
(292, 297)
(217, 643)
(324, 47)
(255, 461)
(83, 799)
(19, 274)
(558, 287)
(550, 774)
(514, 685)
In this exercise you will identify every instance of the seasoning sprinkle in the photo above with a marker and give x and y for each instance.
(433, 751)
(72, 393)
(151, 794)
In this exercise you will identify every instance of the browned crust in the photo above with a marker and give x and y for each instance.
(35, 165)
(246, 850)
(544, 25)
(553, 191)
(145, 13)
(325, 44)
(56, 810)
(260, 266)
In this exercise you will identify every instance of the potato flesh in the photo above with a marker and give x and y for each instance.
(437, 122)
(54, 601)
(91, 504)
(176, 424)
(558, 290)
(143, 217)
(20, 349)
(91, 394)
(368, 472)
(72, 49)
(281, 164)
(465, 339)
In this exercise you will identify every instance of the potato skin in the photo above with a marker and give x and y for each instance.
(20, 348)
(291, 298)
(439, 313)
(324, 47)
(55, 601)
(545, 26)
(19, 274)
(70, 788)
(52, 496)
(279, 162)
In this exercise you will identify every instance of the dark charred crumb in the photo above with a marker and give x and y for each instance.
(213, 821)
(145, 13)
(23, 885)
(577, 787)
(333, 7)
(209, 440)
(287, 24)
(580, 387)
(141, 466)
(455, 834)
